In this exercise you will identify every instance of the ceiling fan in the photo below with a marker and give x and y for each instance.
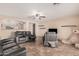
(37, 16)
(56, 3)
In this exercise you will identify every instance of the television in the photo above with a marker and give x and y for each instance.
(52, 30)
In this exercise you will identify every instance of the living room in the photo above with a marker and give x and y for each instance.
(30, 26)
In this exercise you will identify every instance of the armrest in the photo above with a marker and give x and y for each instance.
(1, 49)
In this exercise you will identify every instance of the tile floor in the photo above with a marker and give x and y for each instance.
(37, 49)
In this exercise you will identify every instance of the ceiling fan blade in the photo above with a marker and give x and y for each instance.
(42, 17)
(56, 3)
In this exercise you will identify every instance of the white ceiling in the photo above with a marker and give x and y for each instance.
(48, 9)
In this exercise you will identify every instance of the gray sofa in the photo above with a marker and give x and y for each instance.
(9, 47)
(24, 36)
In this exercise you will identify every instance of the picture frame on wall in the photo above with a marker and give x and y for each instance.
(12, 25)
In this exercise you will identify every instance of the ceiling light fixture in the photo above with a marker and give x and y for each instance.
(37, 15)
(56, 3)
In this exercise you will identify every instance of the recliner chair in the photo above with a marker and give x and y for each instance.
(50, 39)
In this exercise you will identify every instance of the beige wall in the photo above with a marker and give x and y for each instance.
(63, 32)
